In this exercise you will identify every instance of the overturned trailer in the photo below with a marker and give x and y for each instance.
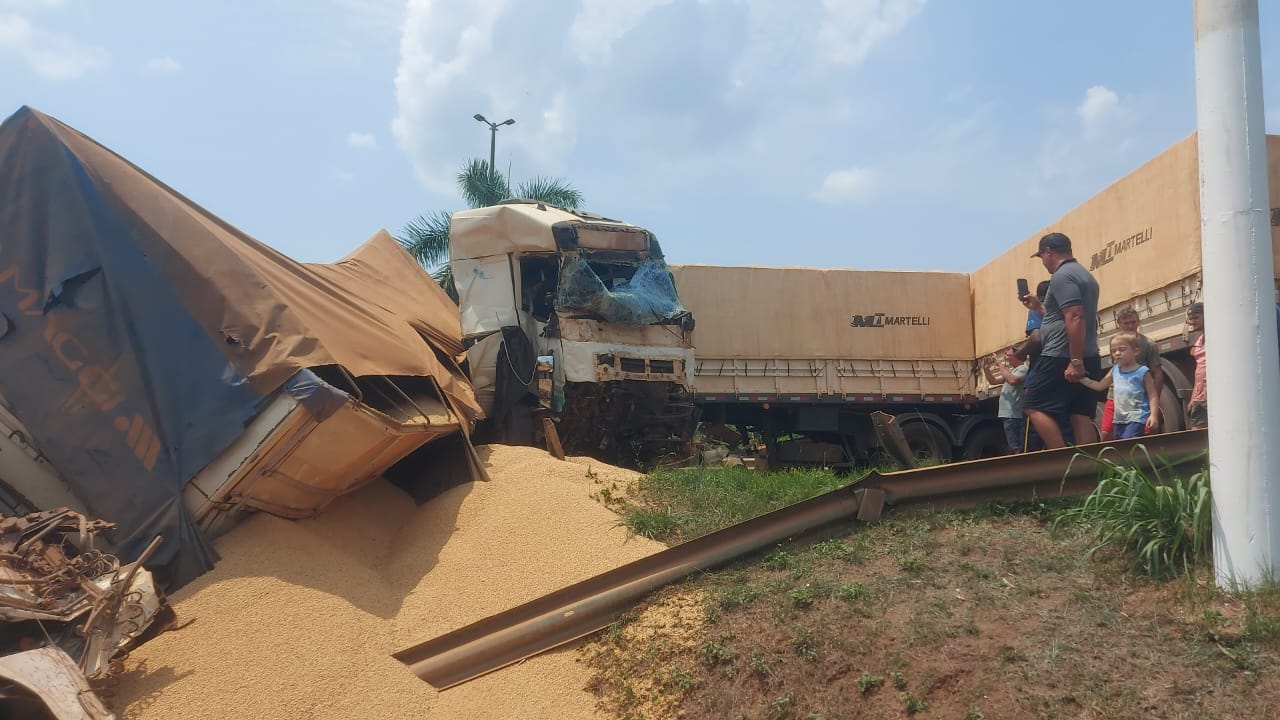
(594, 300)
(165, 372)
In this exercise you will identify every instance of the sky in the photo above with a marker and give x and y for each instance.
(878, 134)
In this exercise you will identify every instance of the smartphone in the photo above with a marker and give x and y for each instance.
(1023, 289)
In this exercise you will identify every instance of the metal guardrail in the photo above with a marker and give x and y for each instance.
(585, 607)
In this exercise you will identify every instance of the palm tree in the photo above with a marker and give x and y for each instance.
(426, 237)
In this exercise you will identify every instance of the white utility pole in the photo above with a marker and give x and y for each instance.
(1239, 294)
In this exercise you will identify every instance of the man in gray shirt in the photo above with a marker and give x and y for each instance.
(1070, 336)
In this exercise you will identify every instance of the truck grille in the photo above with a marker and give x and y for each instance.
(637, 366)
(662, 366)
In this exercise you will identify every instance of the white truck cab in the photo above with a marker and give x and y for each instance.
(596, 297)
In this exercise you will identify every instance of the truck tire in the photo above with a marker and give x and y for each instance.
(926, 443)
(1171, 418)
(985, 441)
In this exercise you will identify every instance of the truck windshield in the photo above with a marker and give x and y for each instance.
(630, 293)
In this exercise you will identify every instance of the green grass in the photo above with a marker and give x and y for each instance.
(868, 682)
(781, 622)
(1161, 519)
(678, 505)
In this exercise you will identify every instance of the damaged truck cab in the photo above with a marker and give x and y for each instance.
(587, 301)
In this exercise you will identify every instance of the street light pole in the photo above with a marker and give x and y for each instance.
(493, 136)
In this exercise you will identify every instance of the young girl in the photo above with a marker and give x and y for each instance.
(1135, 388)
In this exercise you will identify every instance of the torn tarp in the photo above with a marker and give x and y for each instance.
(648, 297)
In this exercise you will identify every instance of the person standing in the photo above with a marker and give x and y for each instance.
(1198, 404)
(1013, 370)
(1029, 350)
(1030, 347)
(1148, 354)
(1069, 335)
(1136, 413)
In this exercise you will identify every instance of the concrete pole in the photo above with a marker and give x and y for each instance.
(1239, 296)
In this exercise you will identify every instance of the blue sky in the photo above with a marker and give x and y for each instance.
(913, 134)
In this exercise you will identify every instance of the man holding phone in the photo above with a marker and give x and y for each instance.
(1033, 316)
(1069, 336)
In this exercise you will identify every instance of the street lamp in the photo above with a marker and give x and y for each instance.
(493, 135)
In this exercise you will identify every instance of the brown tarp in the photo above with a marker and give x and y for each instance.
(368, 312)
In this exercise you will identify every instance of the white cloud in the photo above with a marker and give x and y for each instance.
(1069, 151)
(451, 68)
(362, 140)
(427, 72)
(851, 28)
(339, 175)
(15, 32)
(162, 66)
(699, 86)
(31, 5)
(52, 56)
(1098, 107)
(855, 184)
(600, 23)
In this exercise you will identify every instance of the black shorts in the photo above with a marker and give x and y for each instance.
(1049, 392)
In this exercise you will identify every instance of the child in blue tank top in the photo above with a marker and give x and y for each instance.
(1135, 388)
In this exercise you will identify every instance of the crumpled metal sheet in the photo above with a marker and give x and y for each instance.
(51, 682)
(56, 589)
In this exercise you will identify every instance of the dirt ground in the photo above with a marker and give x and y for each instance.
(942, 617)
(945, 615)
(299, 619)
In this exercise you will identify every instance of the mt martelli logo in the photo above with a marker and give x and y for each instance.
(1116, 247)
(879, 320)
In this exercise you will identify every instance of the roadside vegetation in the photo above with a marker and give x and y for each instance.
(1100, 607)
(677, 505)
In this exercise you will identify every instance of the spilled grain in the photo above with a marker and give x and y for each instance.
(299, 619)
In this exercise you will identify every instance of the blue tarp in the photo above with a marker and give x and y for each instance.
(123, 391)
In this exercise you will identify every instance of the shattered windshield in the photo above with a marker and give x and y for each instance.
(626, 292)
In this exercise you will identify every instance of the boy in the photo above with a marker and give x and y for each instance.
(1127, 320)
(1012, 370)
(1135, 413)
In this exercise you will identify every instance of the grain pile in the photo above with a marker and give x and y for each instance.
(299, 619)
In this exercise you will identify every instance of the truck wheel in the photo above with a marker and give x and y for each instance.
(926, 443)
(986, 441)
(1171, 419)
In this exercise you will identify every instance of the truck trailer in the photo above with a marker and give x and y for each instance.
(801, 357)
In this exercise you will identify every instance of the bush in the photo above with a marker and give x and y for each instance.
(1164, 523)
